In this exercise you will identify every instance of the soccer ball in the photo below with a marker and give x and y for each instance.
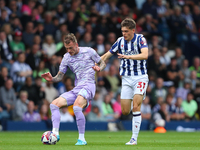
(49, 138)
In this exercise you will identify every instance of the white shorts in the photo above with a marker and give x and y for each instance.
(132, 85)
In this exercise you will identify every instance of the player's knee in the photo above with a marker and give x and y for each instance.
(125, 111)
(135, 108)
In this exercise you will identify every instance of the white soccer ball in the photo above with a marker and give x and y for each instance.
(160, 123)
(49, 138)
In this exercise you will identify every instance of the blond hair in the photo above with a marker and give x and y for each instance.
(70, 37)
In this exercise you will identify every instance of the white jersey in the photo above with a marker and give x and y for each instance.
(129, 67)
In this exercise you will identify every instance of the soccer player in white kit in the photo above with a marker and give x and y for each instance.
(133, 51)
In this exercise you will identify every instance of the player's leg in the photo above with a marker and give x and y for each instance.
(66, 99)
(79, 104)
(86, 93)
(139, 89)
(136, 120)
(55, 117)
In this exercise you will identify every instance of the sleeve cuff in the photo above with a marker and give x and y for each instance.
(111, 51)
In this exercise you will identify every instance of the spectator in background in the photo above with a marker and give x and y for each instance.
(31, 90)
(8, 30)
(21, 105)
(59, 33)
(19, 71)
(102, 7)
(196, 16)
(49, 27)
(53, 65)
(183, 91)
(164, 58)
(3, 17)
(116, 105)
(95, 115)
(50, 92)
(155, 64)
(44, 112)
(99, 44)
(31, 115)
(65, 116)
(173, 72)
(6, 52)
(190, 25)
(4, 63)
(185, 69)
(196, 66)
(162, 113)
(179, 56)
(33, 57)
(189, 107)
(41, 69)
(194, 80)
(17, 45)
(157, 106)
(149, 7)
(38, 41)
(49, 47)
(60, 13)
(13, 7)
(28, 34)
(8, 97)
(39, 91)
(16, 24)
(113, 79)
(87, 40)
(107, 109)
(71, 22)
(178, 113)
(158, 91)
(40, 30)
(177, 25)
(146, 109)
(172, 92)
(3, 76)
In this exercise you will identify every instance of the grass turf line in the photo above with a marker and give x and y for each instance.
(102, 141)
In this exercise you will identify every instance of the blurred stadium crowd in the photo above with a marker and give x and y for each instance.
(31, 33)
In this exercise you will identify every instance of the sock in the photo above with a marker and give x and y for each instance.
(136, 122)
(55, 117)
(80, 121)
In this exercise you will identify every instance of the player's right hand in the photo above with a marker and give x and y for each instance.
(47, 76)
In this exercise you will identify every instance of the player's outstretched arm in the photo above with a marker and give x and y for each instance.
(58, 77)
(100, 67)
(49, 77)
(142, 56)
(106, 56)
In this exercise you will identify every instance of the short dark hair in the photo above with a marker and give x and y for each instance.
(70, 37)
(129, 23)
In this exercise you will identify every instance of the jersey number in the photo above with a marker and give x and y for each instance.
(140, 85)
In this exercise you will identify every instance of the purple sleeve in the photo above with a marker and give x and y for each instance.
(95, 57)
(63, 65)
(143, 43)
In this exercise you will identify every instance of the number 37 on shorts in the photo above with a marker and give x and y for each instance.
(141, 87)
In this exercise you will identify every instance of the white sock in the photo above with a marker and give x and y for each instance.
(81, 137)
(56, 131)
(136, 122)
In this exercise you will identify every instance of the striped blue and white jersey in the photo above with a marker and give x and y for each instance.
(129, 67)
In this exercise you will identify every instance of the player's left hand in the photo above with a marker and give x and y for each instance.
(96, 68)
(122, 56)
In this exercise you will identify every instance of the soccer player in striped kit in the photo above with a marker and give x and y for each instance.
(81, 60)
(132, 50)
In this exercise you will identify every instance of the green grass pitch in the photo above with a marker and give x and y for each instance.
(102, 141)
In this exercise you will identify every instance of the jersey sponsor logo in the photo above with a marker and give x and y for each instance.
(122, 45)
(143, 41)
